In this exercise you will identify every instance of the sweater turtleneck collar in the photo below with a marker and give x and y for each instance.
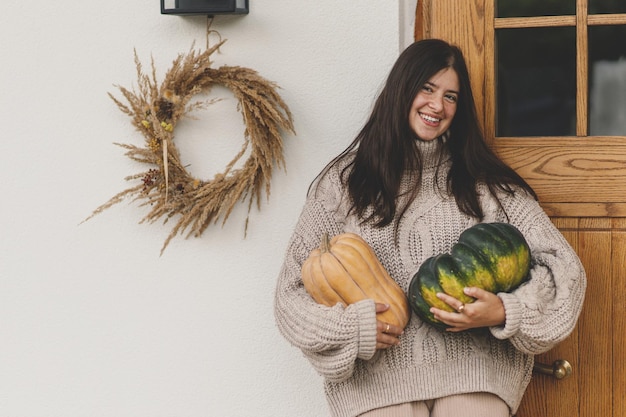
(431, 151)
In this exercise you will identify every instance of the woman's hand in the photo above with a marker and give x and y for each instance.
(486, 311)
(387, 335)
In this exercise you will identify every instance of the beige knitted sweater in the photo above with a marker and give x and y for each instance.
(428, 363)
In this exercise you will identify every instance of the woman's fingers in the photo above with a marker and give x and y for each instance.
(387, 334)
(452, 302)
(486, 310)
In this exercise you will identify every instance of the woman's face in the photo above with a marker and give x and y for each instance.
(434, 106)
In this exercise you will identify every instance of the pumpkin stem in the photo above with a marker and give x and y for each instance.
(325, 244)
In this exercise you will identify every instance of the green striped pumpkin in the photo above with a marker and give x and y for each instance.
(492, 256)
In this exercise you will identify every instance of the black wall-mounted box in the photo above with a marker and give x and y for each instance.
(204, 7)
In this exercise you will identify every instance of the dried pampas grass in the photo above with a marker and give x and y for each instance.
(166, 186)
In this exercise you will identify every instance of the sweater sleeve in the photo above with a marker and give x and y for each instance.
(544, 310)
(331, 338)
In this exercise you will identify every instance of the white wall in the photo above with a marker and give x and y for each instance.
(93, 322)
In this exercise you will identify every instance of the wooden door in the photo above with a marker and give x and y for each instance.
(581, 182)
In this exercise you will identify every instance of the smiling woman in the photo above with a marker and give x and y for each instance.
(417, 175)
(434, 106)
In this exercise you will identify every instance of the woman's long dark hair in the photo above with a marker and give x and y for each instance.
(386, 146)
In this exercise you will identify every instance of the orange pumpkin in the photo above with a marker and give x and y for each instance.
(345, 270)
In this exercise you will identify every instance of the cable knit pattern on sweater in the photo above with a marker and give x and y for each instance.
(340, 341)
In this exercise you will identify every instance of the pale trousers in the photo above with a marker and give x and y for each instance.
(477, 404)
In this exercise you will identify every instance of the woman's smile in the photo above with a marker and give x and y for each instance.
(435, 105)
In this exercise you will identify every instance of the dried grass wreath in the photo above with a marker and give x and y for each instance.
(155, 110)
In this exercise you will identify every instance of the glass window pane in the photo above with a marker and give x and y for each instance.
(536, 81)
(525, 8)
(607, 80)
(607, 6)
